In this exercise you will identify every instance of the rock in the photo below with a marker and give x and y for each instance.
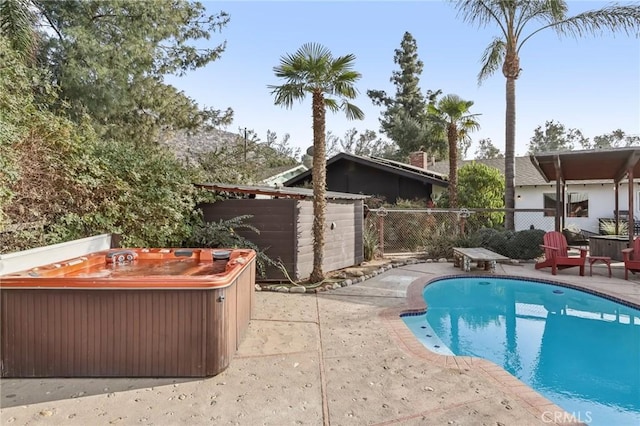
(297, 289)
(429, 260)
(442, 260)
(258, 288)
(282, 289)
(347, 282)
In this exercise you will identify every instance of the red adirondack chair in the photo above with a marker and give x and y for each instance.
(556, 254)
(631, 257)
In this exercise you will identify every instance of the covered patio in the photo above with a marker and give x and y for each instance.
(616, 164)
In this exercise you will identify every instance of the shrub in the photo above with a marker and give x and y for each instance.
(525, 244)
(608, 227)
(440, 246)
(370, 239)
(516, 245)
(441, 239)
(224, 234)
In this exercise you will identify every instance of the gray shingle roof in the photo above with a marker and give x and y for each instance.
(395, 167)
(284, 192)
(526, 173)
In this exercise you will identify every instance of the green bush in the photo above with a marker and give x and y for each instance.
(370, 239)
(441, 239)
(525, 244)
(479, 186)
(515, 245)
(440, 246)
(223, 234)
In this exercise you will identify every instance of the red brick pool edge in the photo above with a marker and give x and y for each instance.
(535, 403)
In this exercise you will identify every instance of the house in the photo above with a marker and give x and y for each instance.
(378, 177)
(586, 201)
(285, 221)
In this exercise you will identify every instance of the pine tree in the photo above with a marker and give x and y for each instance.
(404, 118)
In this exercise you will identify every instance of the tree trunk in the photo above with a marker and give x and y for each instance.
(452, 136)
(509, 154)
(319, 176)
(511, 70)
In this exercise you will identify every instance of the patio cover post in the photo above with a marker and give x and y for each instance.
(559, 198)
(607, 164)
(631, 226)
(616, 210)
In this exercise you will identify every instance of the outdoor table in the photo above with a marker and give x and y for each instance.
(604, 259)
(463, 256)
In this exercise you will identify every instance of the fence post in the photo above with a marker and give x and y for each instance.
(381, 234)
(463, 214)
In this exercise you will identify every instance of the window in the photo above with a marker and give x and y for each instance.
(577, 204)
(549, 202)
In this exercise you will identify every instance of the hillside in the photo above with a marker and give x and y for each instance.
(188, 146)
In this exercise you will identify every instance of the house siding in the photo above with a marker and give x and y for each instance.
(354, 178)
(601, 204)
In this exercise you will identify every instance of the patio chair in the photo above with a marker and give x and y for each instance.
(556, 254)
(575, 237)
(631, 257)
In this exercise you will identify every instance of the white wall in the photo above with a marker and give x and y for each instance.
(529, 197)
(27, 259)
(601, 205)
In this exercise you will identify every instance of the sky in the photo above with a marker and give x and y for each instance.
(591, 84)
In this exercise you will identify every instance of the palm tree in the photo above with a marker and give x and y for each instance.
(313, 69)
(512, 18)
(451, 113)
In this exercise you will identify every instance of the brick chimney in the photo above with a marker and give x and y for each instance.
(419, 159)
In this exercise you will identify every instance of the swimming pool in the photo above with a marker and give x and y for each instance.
(578, 350)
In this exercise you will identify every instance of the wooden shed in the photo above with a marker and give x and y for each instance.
(285, 222)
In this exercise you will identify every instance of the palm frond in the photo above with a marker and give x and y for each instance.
(343, 64)
(343, 86)
(352, 112)
(613, 18)
(481, 12)
(331, 104)
(548, 11)
(287, 94)
(313, 68)
(492, 59)
(314, 53)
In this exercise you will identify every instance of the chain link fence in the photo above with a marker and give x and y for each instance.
(434, 232)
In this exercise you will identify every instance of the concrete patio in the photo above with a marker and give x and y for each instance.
(339, 357)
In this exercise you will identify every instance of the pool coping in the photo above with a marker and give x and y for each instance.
(533, 401)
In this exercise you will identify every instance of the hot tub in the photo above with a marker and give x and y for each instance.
(127, 313)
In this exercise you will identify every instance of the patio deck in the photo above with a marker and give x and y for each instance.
(341, 357)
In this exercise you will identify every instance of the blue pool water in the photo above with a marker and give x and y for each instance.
(579, 350)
